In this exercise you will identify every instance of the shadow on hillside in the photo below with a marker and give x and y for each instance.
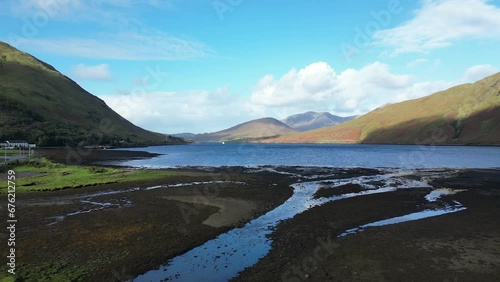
(482, 128)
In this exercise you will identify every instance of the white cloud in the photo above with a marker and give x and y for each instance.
(416, 62)
(49, 8)
(478, 72)
(90, 10)
(97, 72)
(146, 45)
(123, 36)
(440, 23)
(316, 87)
(174, 112)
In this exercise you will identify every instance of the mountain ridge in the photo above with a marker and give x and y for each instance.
(254, 129)
(313, 120)
(41, 105)
(463, 114)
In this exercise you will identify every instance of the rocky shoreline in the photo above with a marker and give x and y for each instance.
(118, 231)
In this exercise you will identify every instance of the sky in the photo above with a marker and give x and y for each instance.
(199, 66)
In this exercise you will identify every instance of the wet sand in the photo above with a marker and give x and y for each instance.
(231, 211)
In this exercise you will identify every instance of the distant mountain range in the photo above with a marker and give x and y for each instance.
(464, 114)
(255, 129)
(41, 105)
(185, 135)
(313, 120)
(268, 127)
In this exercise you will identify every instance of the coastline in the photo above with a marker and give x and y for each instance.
(96, 157)
(139, 225)
(132, 217)
(462, 246)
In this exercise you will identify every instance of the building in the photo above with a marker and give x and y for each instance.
(15, 144)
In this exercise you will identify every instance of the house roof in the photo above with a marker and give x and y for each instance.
(15, 141)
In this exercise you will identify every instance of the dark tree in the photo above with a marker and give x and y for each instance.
(4, 59)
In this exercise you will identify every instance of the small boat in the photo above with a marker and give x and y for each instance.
(223, 142)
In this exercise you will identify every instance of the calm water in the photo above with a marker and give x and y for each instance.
(335, 155)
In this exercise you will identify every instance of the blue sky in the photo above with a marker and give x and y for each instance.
(205, 65)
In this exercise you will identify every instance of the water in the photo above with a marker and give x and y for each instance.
(436, 194)
(224, 257)
(406, 218)
(333, 155)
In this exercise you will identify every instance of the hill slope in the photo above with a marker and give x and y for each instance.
(259, 128)
(313, 120)
(464, 114)
(41, 105)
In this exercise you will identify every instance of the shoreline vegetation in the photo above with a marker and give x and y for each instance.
(113, 223)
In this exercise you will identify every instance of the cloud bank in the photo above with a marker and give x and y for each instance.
(441, 23)
(316, 87)
(97, 72)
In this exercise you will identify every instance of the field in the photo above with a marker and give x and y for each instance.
(44, 175)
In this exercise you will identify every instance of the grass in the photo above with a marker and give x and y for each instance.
(49, 176)
(13, 152)
(54, 271)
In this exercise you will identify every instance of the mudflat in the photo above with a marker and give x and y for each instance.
(117, 231)
(461, 246)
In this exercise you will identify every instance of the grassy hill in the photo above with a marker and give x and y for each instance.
(464, 114)
(40, 104)
(255, 129)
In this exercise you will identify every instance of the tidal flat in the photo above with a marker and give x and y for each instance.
(125, 230)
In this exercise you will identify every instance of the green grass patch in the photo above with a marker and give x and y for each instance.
(13, 152)
(58, 271)
(44, 175)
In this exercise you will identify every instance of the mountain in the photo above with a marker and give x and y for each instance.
(259, 128)
(40, 104)
(185, 135)
(464, 114)
(313, 120)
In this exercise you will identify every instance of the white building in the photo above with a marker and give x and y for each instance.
(16, 144)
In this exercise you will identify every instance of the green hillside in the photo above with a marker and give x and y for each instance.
(40, 104)
(464, 114)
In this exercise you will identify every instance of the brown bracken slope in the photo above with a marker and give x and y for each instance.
(259, 128)
(464, 114)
